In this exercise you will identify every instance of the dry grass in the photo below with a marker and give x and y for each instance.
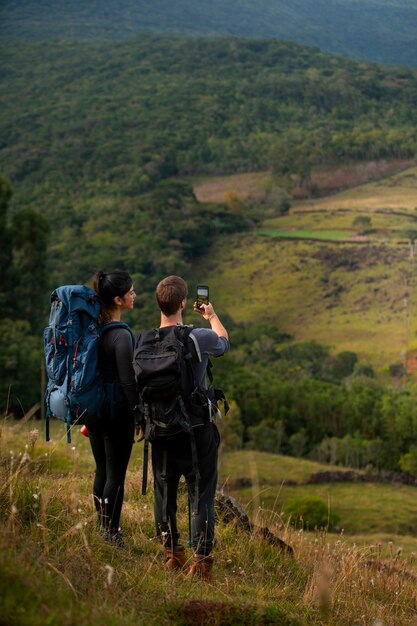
(216, 188)
(325, 180)
(331, 180)
(397, 192)
(56, 569)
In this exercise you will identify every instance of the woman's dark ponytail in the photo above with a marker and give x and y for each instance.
(109, 285)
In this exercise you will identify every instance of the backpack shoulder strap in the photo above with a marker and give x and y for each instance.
(198, 352)
(104, 328)
(196, 345)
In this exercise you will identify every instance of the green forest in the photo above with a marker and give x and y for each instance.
(127, 114)
(98, 144)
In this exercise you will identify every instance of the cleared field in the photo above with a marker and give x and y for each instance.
(368, 512)
(325, 235)
(350, 296)
(326, 181)
(383, 221)
(398, 192)
(216, 188)
(362, 508)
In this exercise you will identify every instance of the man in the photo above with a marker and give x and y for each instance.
(172, 457)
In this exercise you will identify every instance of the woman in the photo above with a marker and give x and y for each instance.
(112, 437)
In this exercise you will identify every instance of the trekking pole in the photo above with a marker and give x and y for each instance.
(190, 541)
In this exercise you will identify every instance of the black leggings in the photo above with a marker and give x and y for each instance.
(111, 446)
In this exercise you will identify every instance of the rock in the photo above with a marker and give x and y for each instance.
(230, 510)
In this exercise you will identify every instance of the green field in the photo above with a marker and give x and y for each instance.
(363, 508)
(349, 296)
(324, 235)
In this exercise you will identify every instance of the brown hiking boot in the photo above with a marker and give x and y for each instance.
(175, 558)
(201, 567)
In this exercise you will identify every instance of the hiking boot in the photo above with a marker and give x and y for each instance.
(115, 537)
(175, 558)
(201, 567)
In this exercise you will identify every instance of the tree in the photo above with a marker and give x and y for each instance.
(408, 462)
(5, 247)
(29, 234)
(20, 359)
(231, 428)
(23, 280)
(362, 222)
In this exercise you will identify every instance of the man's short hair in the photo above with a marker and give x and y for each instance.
(170, 292)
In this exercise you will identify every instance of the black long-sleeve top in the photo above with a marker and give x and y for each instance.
(115, 356)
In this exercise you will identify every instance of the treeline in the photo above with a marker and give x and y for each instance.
(23, 279)
(300, 399)
(91, 119)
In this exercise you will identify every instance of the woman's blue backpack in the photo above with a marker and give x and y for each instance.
(75, 392)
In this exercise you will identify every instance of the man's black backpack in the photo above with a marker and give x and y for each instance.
(170, 398)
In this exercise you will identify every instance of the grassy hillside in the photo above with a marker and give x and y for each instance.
(381, 31)
(274, 479)
(355, 290)
(55, 568)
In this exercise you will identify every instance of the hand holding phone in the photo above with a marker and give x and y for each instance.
(202, 296)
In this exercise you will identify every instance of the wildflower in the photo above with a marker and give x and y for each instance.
(33, 436)
(35, 496)
(73, 448)
(14, 509)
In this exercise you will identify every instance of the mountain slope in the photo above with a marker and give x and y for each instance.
(379, 30)
(351, 293)
(128, 113)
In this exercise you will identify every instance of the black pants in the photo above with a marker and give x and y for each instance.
(111, 446)
(171, 459)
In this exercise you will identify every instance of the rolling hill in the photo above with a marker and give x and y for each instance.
(316, 275)
(80, 119)
(378, 30)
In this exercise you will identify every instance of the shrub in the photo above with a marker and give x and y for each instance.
(310, 512)
(408, 462)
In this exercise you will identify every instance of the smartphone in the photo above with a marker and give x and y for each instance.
(202, 295)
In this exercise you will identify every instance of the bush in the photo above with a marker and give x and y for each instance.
(408, 462)
(310, 513)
